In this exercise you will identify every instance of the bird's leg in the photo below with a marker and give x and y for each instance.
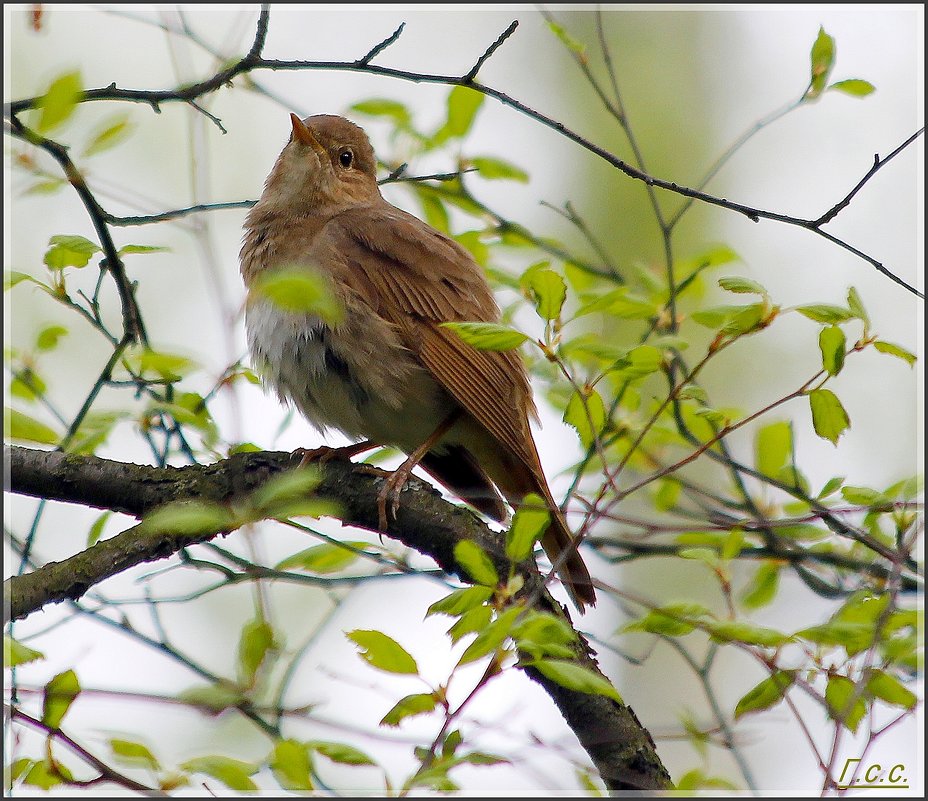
(324, 454)
(398, 478)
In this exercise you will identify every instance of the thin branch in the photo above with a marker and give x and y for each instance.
(379, 48)
(472, 73)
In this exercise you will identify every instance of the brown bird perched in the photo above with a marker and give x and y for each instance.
(387, 371)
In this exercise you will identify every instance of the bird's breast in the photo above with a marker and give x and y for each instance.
(355, 377)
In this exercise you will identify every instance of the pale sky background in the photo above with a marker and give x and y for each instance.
(694, 78)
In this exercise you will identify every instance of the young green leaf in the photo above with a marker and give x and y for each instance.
(766, 694)
(842, 706)
(829, 418)
(69, 251)
(340, 753)
(855, 87)
(15, 653)
(822, 59)
(133, 753)
(188, 518)
(233, 773)
(748, 633)
(549, 292)
(254, 646)
(494, 169)
(528, 524)
(300, 291)
(587, 414)
(416, 704)
(97, 528)
(58, 103)
(576, 677)
(476, 563)
(110, 133)
(60, 693)
(773, 447)
(889, 689)
(568, 41)
(491, 637)
(20, 426)
(383, 652)
(742, 286)
(383, 107)
(329, 557)
(288, 486)
(897, 351)
(463, 105)
(488, 336)
(49, 337)
(826, 313)
(763, 588)
(832, 343)
(856, 306)
(291, 765)
(461, 601)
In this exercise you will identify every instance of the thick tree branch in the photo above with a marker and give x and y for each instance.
(621, 749)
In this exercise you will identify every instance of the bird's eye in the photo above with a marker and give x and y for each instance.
(345, 157)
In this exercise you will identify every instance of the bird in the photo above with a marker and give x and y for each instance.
(386, 371)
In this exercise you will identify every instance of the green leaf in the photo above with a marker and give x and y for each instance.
(15, 653)
(822, 59)
(233, 773)
(763, 587)
(897, 351)
(169, 366)
(299, 290)
(587, 414)
(838, 694)
(566, 39)
(69, 251)
(856, 306)
(542, 634)
(745, 321)
(291, 485)
(45, 776)
(255, 644)
(488, 336)
(773, 447)
(576, 677)
(291, 765)
(97, 528)
(132, 249)
(188, 518)
(58, 103)
(340, 753)
(743, 286)
(134, 753)
(829, 418)
(383, 652)
(476, 563)
(549, 292)
(889, 689)
(213, 698)
(492, 637)
(831, 486)
(473, 620)
(738, 631)
(672, 620)
(832, 343)
(855, 87)
(13, 277)
(22, 427)
(766, 694)
(495, 169)
(383, 107)
(826, 313)
(60, 693)
(463, 105)
(108, 134)
(862, 495)
(528, 524)
(49, 336)
(330, 557)
(416, 704)
(461, 601)
(667, 494)
(620, 303)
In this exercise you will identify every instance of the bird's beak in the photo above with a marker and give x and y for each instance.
(303, 135)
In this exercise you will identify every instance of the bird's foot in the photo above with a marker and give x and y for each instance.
(325, 454)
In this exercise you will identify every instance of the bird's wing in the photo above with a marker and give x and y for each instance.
(417, 278)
